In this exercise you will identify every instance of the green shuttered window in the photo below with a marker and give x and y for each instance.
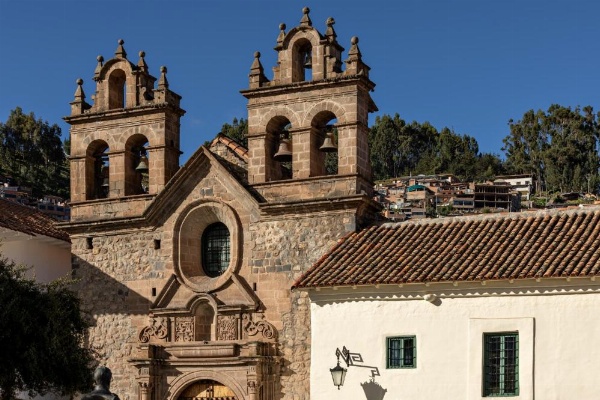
(402, 352)
(501, 364)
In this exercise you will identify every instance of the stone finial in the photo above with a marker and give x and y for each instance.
(78, 105)
(305, 21)
(354, 52)
(257, 72)
(142, 62)
(163, 83)
(100, 60)
(79, 94)
(354, 63)
(121, 53)
(281, 35)
(330, 32)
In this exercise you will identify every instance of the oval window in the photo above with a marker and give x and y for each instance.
(216, 249)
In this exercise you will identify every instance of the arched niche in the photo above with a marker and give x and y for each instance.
(278, 140)
(302, 60)
(323, 144)
(204, 310)
(137, 165)
(117, 89)
(97, 170)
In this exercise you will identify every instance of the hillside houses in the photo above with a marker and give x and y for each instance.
(434, 195)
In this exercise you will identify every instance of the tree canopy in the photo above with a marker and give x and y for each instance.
(398, 148)
(237, 130)
(560, 146)
(42, 335)
(32, 154)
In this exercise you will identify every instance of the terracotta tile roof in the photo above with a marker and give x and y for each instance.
(20, 218)
(237, 148)
(527, 245)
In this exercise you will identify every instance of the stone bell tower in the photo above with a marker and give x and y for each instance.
(124, 146)
(308, 126)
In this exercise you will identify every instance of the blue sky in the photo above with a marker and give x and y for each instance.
(469, 65)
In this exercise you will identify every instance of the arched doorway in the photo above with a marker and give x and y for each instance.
(207, 389)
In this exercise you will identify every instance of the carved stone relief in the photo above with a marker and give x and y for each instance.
(158, 328)
(227, 327)
(252, 328)
(184, 329)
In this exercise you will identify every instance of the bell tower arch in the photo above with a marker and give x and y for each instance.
(126, 143)
(308, 126)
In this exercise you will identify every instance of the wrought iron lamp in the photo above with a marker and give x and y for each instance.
(338, 373)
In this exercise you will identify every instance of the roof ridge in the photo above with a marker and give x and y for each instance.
(497, 216)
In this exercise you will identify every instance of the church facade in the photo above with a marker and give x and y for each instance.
(186, 271)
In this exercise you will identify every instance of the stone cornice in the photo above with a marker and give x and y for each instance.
(118, 113)
(307, 85)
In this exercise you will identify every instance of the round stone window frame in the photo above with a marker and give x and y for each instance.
(187, 254)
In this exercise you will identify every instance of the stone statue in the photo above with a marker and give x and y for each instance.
(102, 377)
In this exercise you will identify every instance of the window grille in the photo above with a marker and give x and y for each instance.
(501, 364)
(402, 352)
(215, 249)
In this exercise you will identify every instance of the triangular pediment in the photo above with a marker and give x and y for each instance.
(193, 177)
(176, 297)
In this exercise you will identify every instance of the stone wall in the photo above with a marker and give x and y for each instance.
(115, 279)
(117, 276)
(282, 250)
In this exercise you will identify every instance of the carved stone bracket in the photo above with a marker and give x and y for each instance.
(158, 328)
(252, 328)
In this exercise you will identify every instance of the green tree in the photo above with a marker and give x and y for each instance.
(560, 146)
(398, 148)
(237, 130)
(32, 154)
(488, 166)
(42, 335)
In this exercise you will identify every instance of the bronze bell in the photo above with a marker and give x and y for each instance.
(307, 60)
(328, 144)
(104, 176)
(284, 153)
(143, 165)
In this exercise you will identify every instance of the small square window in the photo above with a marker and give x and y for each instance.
(402, 352)
(501, 364)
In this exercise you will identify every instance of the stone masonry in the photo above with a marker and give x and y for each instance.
(165, 326)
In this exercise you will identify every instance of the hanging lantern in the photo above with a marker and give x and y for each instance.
(338, 374)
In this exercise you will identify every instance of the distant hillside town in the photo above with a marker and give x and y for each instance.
(423, 196)
(54, 206)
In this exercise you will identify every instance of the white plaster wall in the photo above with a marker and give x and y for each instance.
(50, 258)
(559, 336)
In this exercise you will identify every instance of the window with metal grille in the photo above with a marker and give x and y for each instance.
(402, 352)
(215, 249)
(501, 364)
